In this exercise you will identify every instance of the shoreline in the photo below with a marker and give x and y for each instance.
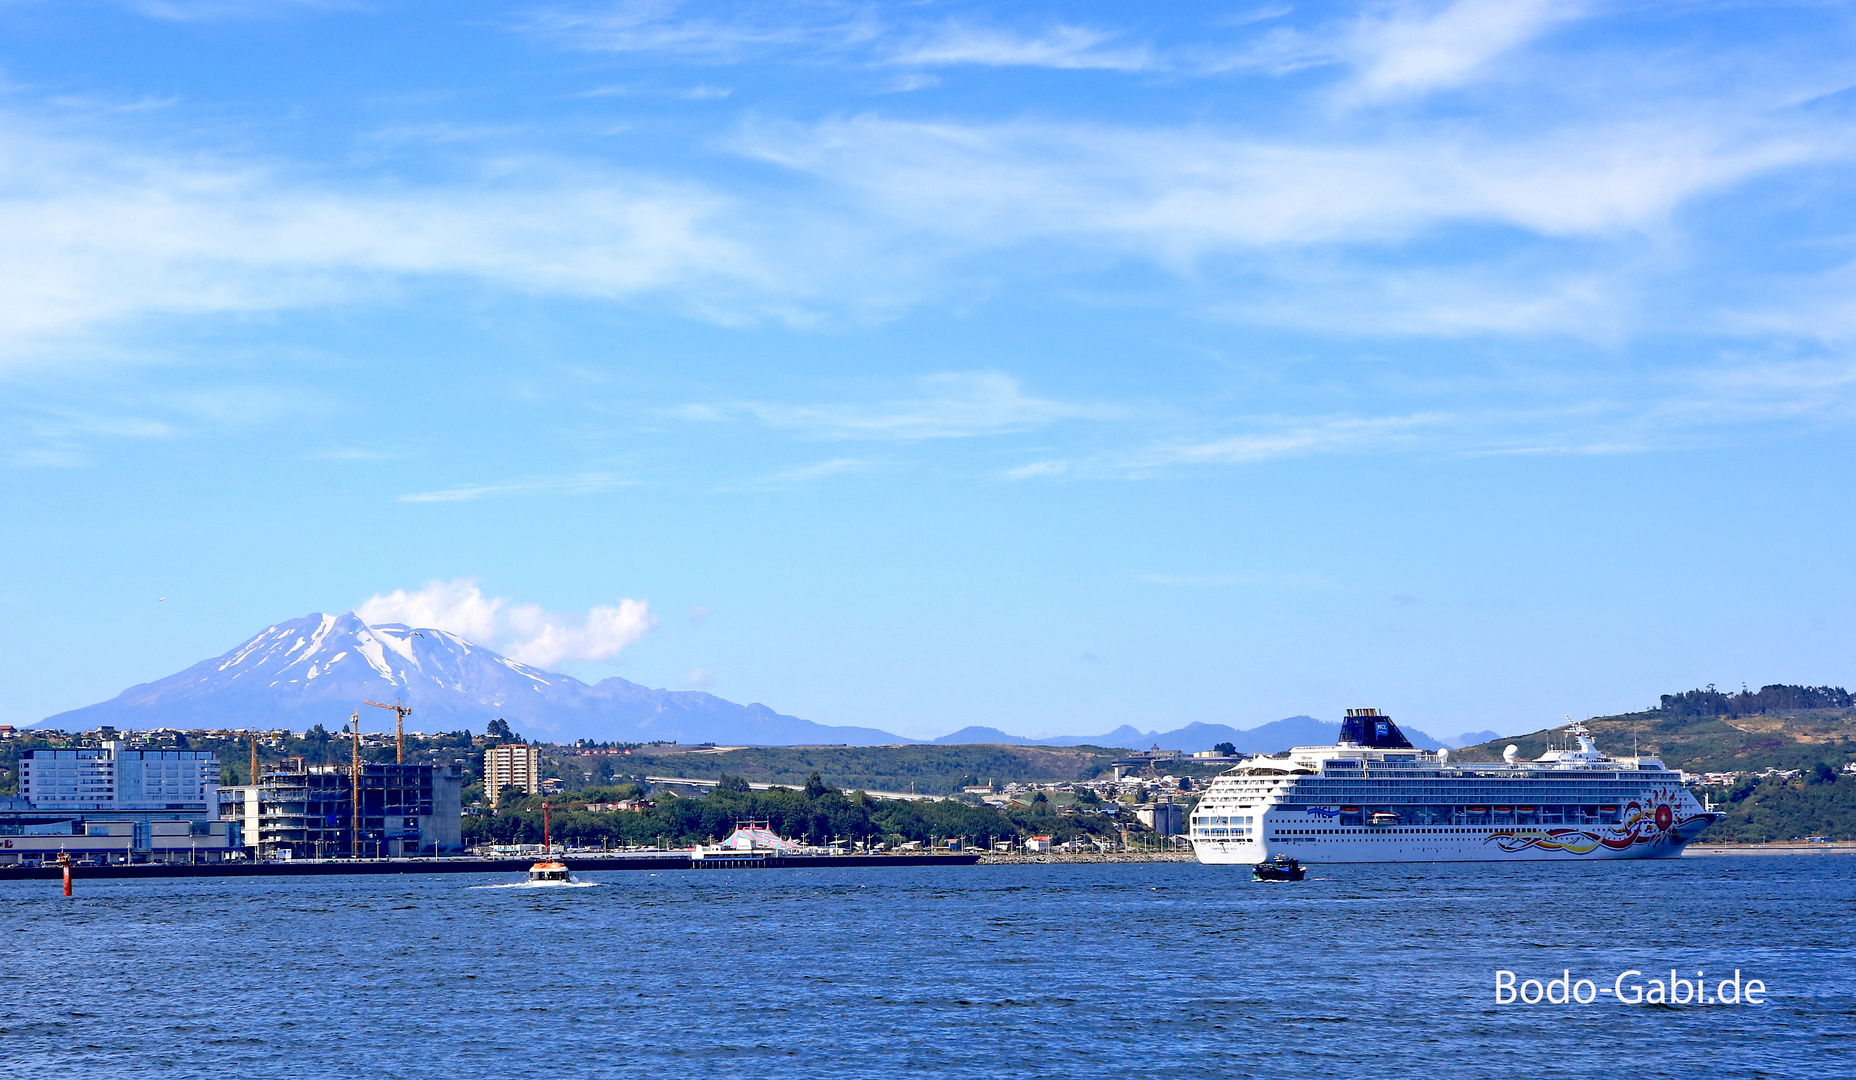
(471, 865)
(1844, 847)
(1043, 859)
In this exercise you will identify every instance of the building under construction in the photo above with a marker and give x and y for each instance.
(310, 812)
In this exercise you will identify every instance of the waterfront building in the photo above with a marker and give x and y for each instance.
(1166, 818)
(113, 780)
(512, 764)
(90, 840)
(305, 812)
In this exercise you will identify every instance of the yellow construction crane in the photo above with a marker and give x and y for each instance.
(400, 713)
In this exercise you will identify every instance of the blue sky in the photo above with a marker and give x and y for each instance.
(934, 364)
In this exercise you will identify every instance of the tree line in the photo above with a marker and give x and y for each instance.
(816, 815)
(1779, 697)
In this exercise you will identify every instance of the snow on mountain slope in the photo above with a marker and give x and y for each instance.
(320, 668)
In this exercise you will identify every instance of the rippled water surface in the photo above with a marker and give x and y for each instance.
(1117, 971)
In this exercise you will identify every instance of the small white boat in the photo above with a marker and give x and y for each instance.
(549, 871)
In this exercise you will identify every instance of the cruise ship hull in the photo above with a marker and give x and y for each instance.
(1369, 844)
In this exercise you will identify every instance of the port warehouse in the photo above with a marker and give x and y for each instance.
(113, 805)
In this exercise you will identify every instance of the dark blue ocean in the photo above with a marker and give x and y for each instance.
(1122, 971)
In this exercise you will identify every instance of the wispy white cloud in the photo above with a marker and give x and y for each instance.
(1061, 47)
(702, 92)
(1038, 469)
(706, 32)
(1411, 48)
(952, 405)
(204, 10)
(1326, 436)
(523, 632)
(585, 484)
(48, 457)
(850, 34)
(1183, 192)
(1242, 580)
(353, 453)
(816, 471)
(92, 234)
(1761, 389)
(50, 432)
(1390, 49)
(1594, 414)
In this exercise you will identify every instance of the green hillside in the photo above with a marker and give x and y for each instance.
(1763, 809)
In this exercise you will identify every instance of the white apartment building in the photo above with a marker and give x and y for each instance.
(511, 764)
(111, 780)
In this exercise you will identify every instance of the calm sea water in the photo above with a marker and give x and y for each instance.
(1117, 971)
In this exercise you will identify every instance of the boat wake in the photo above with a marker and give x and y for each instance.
(541, 885)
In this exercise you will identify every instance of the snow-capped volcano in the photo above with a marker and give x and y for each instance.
(320, 668)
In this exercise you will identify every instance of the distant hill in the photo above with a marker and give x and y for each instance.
(928, 769)
(1469, 738)
(1270, 738)
(986, 736)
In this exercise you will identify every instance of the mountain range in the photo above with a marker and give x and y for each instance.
(316, 669)
(1267, 739)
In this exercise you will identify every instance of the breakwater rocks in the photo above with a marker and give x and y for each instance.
(996, 859)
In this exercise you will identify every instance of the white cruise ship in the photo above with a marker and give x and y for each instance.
(1376, 798)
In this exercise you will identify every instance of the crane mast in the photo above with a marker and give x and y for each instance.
(354, 784)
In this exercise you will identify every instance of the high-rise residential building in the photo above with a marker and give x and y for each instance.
(112, 780)
(511, 764)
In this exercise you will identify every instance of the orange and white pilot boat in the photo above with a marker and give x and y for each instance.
(550, 870)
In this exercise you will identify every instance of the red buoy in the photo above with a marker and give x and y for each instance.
(64, 860)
